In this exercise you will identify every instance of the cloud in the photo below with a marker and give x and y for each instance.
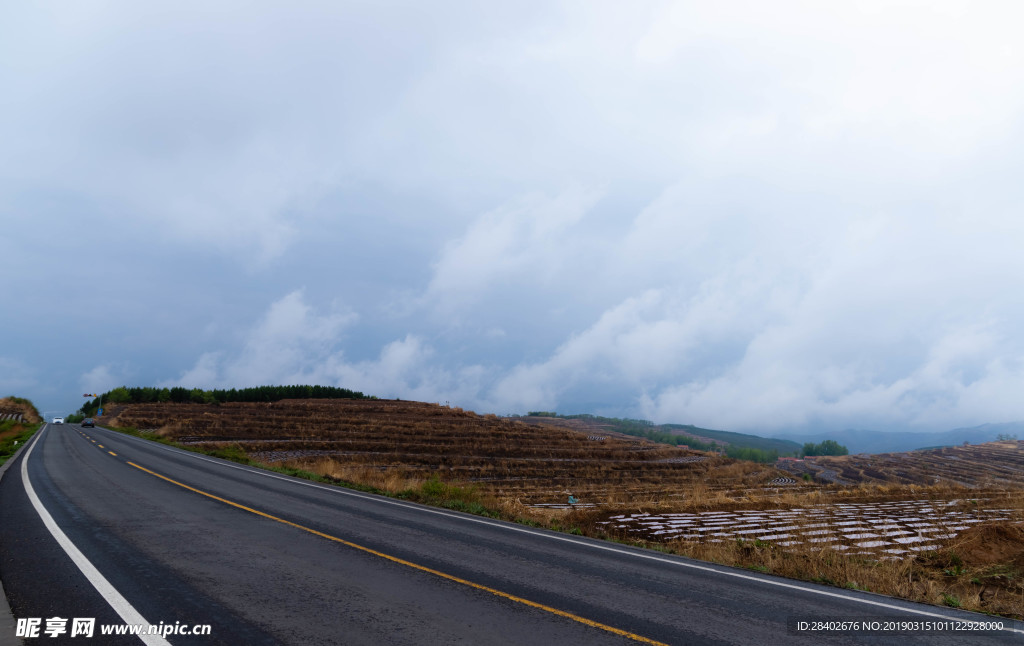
(661, 335)
(224, 144)
(737, 215)
(879, 321)
(527, 240)
(293, 344)
(407, 368)
(282, 347)
(16, 376)
(205, 374)
(100, 379)
(902, 70)
(961, 379)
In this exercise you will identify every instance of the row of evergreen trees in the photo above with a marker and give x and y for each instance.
(828, 447)
(637, 427)
(148, 394)
(766, 456)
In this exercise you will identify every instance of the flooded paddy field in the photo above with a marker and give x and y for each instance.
(882, 530)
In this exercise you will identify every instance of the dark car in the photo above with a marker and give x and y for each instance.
(88, 422)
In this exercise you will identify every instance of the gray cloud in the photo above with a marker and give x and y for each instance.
(740, 215)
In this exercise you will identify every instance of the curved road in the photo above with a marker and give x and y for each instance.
(101, 525)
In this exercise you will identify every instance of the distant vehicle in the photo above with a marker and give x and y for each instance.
(58, 420)
(88, 422)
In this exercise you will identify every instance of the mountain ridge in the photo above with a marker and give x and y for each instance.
(867, 441)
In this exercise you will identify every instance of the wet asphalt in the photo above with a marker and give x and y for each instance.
(267, 559)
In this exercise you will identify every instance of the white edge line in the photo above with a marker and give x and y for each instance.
(120, 605)
(552, 536)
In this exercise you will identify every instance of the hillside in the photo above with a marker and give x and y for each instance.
(19, 409)
(695, 437)
(992, 464)
(367, 440)
(784, 447)
(18, 420)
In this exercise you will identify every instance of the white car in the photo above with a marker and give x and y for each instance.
(58, 420)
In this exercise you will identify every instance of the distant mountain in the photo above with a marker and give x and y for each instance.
(702, 439)
(783, 446)
(860, 441)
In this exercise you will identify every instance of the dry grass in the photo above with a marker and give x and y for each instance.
(392, 481)
(960, 575)
(506, 459)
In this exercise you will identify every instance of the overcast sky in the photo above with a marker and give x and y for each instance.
(752, 216)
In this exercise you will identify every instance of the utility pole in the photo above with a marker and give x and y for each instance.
(99, 408)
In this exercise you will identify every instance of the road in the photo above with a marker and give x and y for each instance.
(181, 539)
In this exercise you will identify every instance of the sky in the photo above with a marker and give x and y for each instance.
(759, 217)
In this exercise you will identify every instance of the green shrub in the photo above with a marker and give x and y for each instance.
(828, 447)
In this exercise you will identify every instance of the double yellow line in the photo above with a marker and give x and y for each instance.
(415, 566)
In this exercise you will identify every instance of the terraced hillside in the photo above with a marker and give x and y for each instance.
(18, 419)
(508, 459)
(990, 465)
(18, 409)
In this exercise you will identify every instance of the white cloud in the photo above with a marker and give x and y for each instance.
(286, 344)
(529, 239)
(737, 214)
(100, 379)
(407, 368)
(909, 69)
(293, 344)
(962, 379)
(205, 374)
(882, 321)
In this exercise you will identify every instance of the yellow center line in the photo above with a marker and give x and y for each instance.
(112, 453)
(416, 566)
(101, 446)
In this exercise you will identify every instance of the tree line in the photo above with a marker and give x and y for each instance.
(638, 428)
(828, 447)
(765, 456)
(733, 449)
(178, 394)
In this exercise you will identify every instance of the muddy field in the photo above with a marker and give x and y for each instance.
(884, 530)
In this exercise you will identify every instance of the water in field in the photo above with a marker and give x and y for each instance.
(885, 529)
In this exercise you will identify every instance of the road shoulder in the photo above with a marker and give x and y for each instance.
(7, 623)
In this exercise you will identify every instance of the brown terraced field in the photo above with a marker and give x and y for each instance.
(375, 441)
(994, 464)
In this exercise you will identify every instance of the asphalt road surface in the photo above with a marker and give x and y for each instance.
(100, 525)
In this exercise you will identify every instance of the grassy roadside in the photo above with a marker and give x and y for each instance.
(13, 436)
(429, 492)
(949, 577)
